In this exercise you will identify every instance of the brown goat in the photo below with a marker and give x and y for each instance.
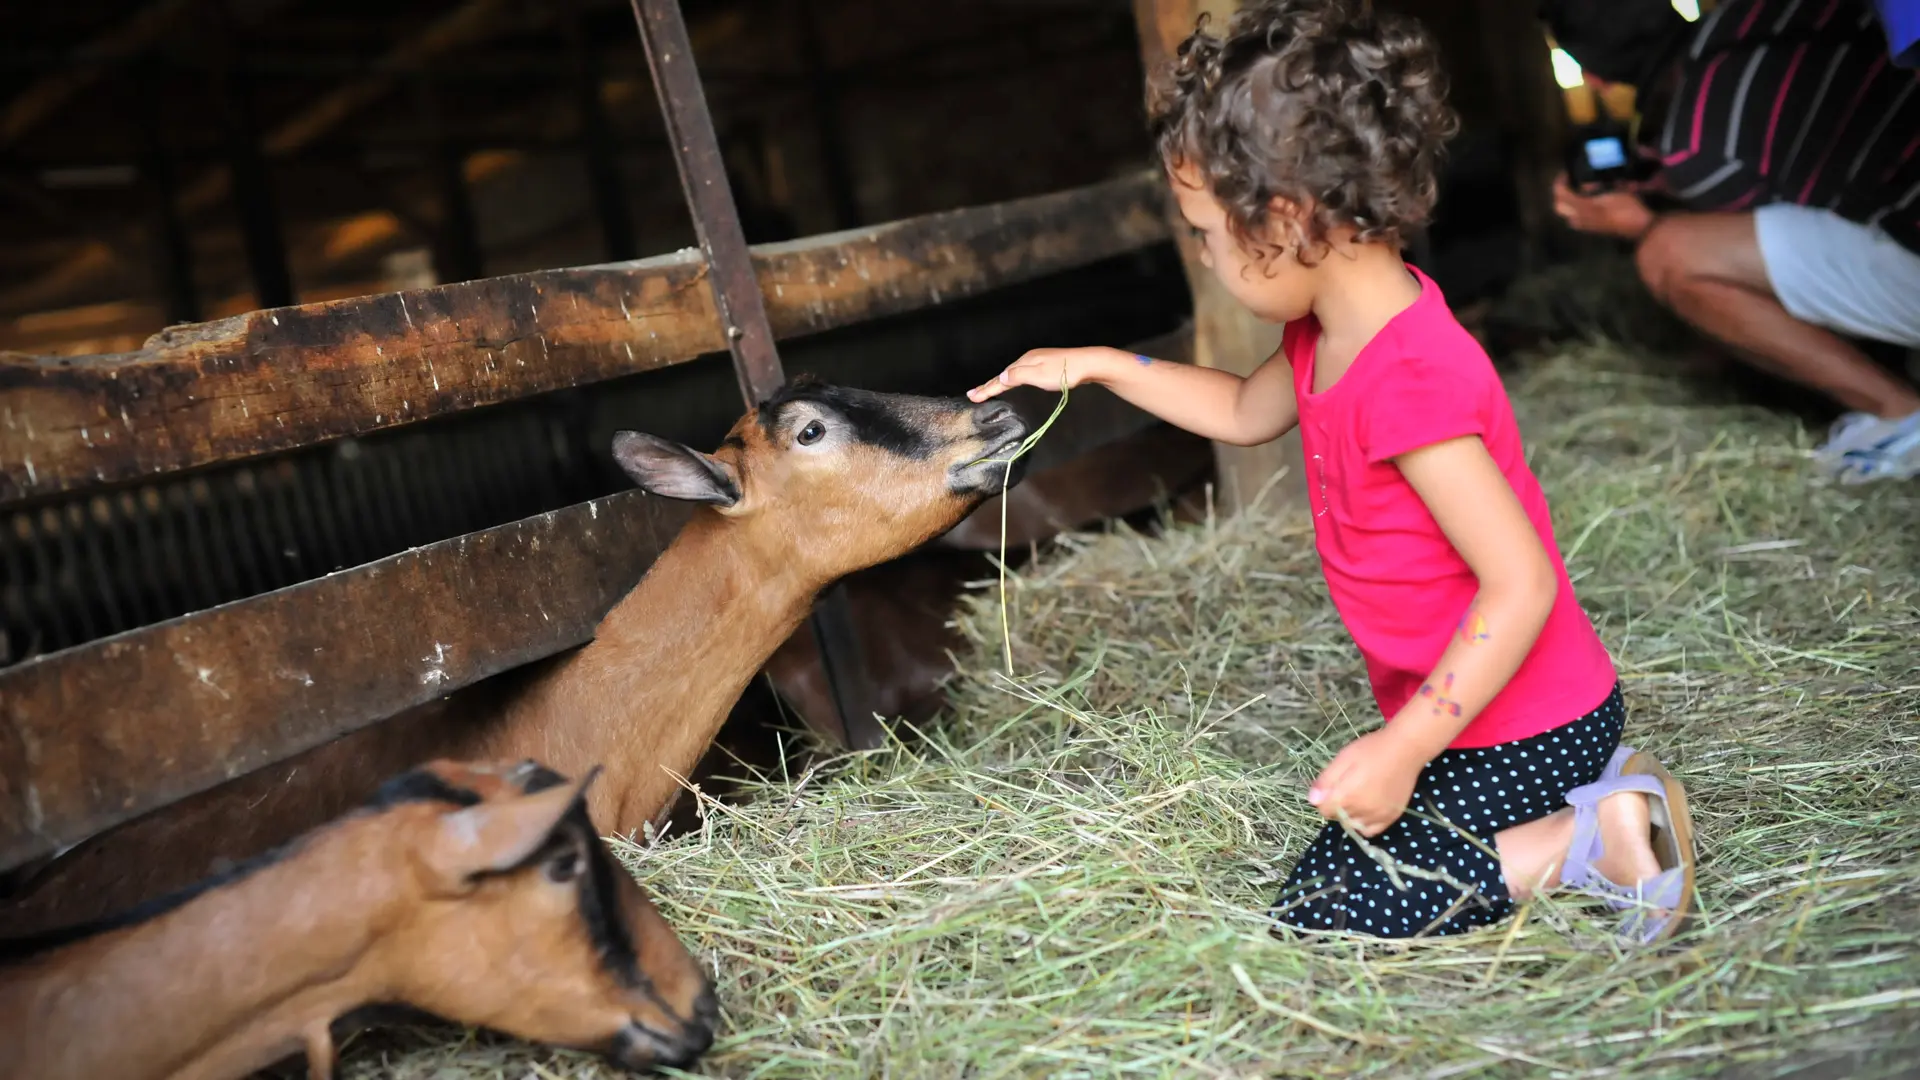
(478, 893)
(814, 484)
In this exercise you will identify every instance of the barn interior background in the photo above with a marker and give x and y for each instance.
(175, 162)
(290, 290)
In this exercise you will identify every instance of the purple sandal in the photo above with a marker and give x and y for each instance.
(1658, 906)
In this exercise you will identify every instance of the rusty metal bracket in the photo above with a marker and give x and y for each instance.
(736, 293)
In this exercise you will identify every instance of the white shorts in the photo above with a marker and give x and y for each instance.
(1850, 278)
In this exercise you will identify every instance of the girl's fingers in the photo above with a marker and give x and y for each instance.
(994, 386)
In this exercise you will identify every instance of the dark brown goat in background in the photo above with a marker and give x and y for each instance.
(816, 483)
(478, 893)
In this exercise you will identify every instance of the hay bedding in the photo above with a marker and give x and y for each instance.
(1066, 877)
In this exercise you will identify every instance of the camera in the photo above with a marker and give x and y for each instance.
(1602, 157)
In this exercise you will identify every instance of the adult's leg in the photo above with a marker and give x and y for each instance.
(1708, 268)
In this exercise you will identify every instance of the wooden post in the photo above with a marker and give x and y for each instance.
(1225, 334)
(456, 243)
(1514, 56)
(172, 252)
(252, 182)
(825, 94)
(617, 236)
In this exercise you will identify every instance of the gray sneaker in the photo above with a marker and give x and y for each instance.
(1862, 447)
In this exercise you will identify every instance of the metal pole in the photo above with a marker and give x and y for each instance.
(696, 152)
(736, 293)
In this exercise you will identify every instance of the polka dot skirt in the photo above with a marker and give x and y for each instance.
(1449, 876)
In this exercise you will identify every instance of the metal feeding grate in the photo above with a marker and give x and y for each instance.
(85, 568)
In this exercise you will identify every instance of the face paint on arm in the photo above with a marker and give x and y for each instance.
(1145, 361)
(1473, 628)
(1441, 702)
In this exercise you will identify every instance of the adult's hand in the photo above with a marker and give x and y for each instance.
(1609, 213)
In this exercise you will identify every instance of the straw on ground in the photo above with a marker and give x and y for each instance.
(1065, 877)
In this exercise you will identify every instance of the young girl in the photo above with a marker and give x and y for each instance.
(1301, 147)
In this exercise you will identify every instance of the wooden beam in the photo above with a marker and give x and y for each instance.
(274, 380)
(465, 24)
(131, 35)
(1226, 335)
(96, 735)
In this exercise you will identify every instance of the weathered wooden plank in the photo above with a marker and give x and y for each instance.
(288, 377)
(98, 734)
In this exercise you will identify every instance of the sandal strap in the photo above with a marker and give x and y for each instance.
(1587, 796)
(1658, 902)
(1586, 846)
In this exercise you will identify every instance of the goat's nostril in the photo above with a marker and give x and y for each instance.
(993, 414)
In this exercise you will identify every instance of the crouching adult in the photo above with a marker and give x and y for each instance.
(1787, 141)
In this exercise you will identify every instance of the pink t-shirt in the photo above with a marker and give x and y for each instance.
(1396, 579)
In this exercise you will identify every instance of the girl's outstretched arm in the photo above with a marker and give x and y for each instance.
(1211, 403)
(1470, 500)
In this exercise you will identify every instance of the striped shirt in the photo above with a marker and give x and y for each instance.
(1796, 101)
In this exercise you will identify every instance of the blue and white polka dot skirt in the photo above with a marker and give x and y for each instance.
(1448, 877)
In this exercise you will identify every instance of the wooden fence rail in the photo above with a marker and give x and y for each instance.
(280, 379)
(103, 732)
(100, 733)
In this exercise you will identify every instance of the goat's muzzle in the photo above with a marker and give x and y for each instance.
(984, 471)
(642, 1048)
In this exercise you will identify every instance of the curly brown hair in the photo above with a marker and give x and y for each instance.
(1328, 104)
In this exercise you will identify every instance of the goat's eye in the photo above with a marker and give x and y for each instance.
(811, 433)
(564, 867)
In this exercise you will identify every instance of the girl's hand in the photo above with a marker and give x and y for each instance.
(1049, 369)
(1371, 779)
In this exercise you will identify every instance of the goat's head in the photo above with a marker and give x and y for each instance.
(832, 479)
(525, 923)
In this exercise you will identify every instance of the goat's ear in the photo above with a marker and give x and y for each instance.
(672, 471)
(501, 834)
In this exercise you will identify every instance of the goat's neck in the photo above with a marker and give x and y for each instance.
(234, 980)
(647, 696)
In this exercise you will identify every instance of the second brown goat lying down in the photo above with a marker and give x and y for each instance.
(479, 893)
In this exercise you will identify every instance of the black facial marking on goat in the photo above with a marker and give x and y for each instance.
(873, 418)
(600, 909)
